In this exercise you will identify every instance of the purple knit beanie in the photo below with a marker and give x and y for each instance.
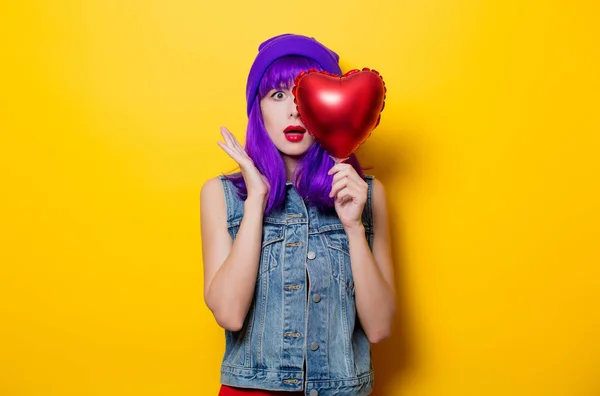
(283, 45)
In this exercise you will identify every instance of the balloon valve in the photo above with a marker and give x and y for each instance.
(338, 160)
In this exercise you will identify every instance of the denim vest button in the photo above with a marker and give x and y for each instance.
(297, 237)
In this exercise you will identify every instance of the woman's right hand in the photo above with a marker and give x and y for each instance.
(257, 184)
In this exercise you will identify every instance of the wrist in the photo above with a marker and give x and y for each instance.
(354, 228)
(256, 202)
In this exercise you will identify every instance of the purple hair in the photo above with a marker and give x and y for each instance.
(316, 162)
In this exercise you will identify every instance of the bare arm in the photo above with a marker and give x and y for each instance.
(373, 272)
(230, 268)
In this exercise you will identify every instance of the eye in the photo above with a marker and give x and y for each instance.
(278, 95)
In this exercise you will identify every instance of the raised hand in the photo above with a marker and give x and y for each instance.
(257, 184)
(349, 191)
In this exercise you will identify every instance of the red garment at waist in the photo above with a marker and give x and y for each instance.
(229, 391)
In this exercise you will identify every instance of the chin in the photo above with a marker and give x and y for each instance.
(294, 149)
(293, 153)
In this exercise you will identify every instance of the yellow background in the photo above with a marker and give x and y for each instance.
(488, 147)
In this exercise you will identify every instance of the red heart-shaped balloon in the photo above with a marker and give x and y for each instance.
(340, 111)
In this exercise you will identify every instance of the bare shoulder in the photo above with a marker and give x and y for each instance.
(212, 201)
(211, 188)
(379, 197)
(378, 187)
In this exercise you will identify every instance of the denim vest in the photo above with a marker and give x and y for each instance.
(301, 331)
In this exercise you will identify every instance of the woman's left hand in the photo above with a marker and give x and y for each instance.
(349, 191)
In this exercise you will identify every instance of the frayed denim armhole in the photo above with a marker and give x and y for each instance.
(234, 206)
(368, 211)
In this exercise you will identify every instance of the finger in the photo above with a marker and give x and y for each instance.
(344, 192)
(351, 173)
(350, 194)
(227, 137)
(355, 182)
(234, 144)
(344, 173)
(354, 178)
(336, 187)
(358, 183)
(345, 195)
(231, 142)
(338, 176)
(237, 144)
(226, 134)
(358, 193)
(231, 137)
(338, 168)
(233, 154)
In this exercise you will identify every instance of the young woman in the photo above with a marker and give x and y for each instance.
(296, 249)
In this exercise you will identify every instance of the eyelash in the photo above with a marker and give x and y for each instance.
(276, 92)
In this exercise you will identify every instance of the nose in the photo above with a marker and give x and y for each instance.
(293, 110)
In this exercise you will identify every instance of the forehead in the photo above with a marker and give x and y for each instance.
(282, 73)
(280, 81)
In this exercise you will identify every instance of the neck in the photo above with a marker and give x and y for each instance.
(290, 163)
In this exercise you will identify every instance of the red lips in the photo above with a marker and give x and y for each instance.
(294, 133)
(295, 128)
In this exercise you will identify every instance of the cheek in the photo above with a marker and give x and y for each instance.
(270, 119)
(270, 126)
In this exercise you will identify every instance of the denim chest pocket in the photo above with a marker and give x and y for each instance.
(272, 241)
(339, 252)
(271, 247)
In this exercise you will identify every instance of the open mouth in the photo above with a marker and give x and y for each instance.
(294, 133)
